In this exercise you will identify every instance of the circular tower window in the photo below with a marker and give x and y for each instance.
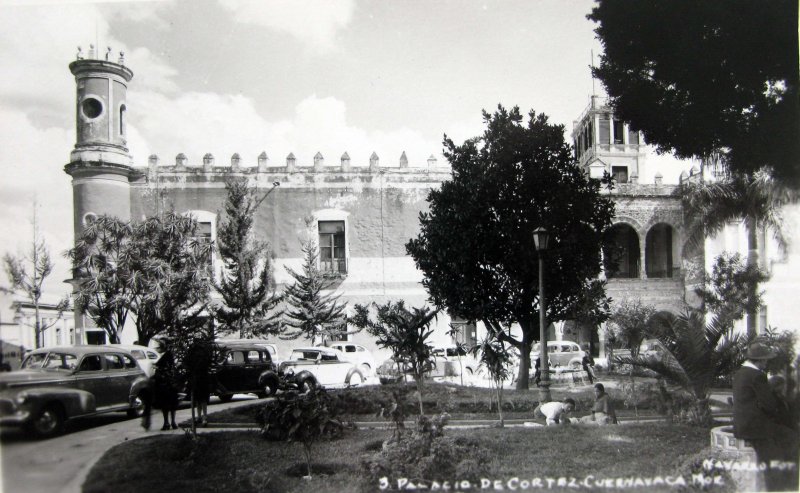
(92, 108)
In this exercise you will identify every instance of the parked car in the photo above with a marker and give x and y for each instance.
(358, 355)
(244, 368)
(452, 362)
(145, 356)
(61, 383)
(390, 372)
(269, 346)
(560, 353)
(311, 366)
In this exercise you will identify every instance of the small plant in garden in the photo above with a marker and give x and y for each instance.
(631, 319)
(405, 332)
(395, 410)
(495, 357)
(304, 418)
(426, 454)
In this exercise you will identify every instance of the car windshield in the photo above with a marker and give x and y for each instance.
(304, 355)
(138, 354)
(34, 360)
(53, 361)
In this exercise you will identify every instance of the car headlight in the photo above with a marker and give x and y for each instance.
(21, 398)
(289, 371)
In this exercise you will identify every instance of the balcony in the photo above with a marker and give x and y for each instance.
(335, 268)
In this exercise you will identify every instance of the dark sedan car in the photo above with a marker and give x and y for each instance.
(60, 383)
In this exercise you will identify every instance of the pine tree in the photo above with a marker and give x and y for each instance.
(313, 314)
(247, 287)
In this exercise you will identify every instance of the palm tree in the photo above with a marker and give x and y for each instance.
(698, 354)
(754, 198)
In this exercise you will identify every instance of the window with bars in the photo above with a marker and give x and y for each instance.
(203, 235)
(619, 131)
(332, 259)
(620, 174)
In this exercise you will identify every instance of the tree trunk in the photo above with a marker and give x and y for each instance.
(752, 259)
(499, 391)
(419, 396)
(524, 366)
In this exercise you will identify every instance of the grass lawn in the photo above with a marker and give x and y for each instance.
(244, 462)
(363, 403)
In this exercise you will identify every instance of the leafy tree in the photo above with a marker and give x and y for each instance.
(783, 343)
(591, 307)
(495, 357)
(699, 78)
(405, 332)
(168, 262)
(309, 311)
(729, 290)
(27, 273)
(147, 271)
(247, 287)
(756, 199)
(632, 322)
(107, 285)
(475, 246)
(698, 354)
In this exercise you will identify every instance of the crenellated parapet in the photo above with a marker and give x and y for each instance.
(208, 168)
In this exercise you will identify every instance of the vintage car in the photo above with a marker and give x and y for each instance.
(244, 367)
(145, 356)
(452, 361)
(358, 355)
(60, 383)
(312, 366)
(561, 353)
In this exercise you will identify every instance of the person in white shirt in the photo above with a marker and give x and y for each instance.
(555, 412)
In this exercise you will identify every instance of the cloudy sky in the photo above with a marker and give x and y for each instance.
(225, 76)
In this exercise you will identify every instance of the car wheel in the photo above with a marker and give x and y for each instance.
(48, 422)
(355, 380)
(137, 409)
(308, 385)
(269, 389)
(225, 397)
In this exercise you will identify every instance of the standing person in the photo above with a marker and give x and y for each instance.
(756, 415)
(165, 388)
(602, 410)
(200, 360)
(588, 363)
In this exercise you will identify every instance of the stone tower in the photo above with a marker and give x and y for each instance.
(100, 165)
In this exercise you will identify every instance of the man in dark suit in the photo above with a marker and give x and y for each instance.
(756, 419)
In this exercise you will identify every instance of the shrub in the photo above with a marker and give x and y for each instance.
(304, 418)
(427, 454)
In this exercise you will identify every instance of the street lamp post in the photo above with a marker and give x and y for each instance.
(541, 239)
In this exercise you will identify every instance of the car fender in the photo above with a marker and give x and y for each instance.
(578, 362)
(142, 385)
(303, 376)
(267, 377)
(350, 374)
(74, 401)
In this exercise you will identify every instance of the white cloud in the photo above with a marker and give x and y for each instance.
(315, 22)
(197, 123)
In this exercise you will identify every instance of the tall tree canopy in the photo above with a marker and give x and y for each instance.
(311, 312)
(148, 271)
(698, 77)
(475, 246)
(247, 287)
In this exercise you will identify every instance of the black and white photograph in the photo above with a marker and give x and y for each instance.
(363, 246)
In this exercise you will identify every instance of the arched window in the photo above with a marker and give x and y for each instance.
(122, 110)
(621, 252)
(658, 251)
